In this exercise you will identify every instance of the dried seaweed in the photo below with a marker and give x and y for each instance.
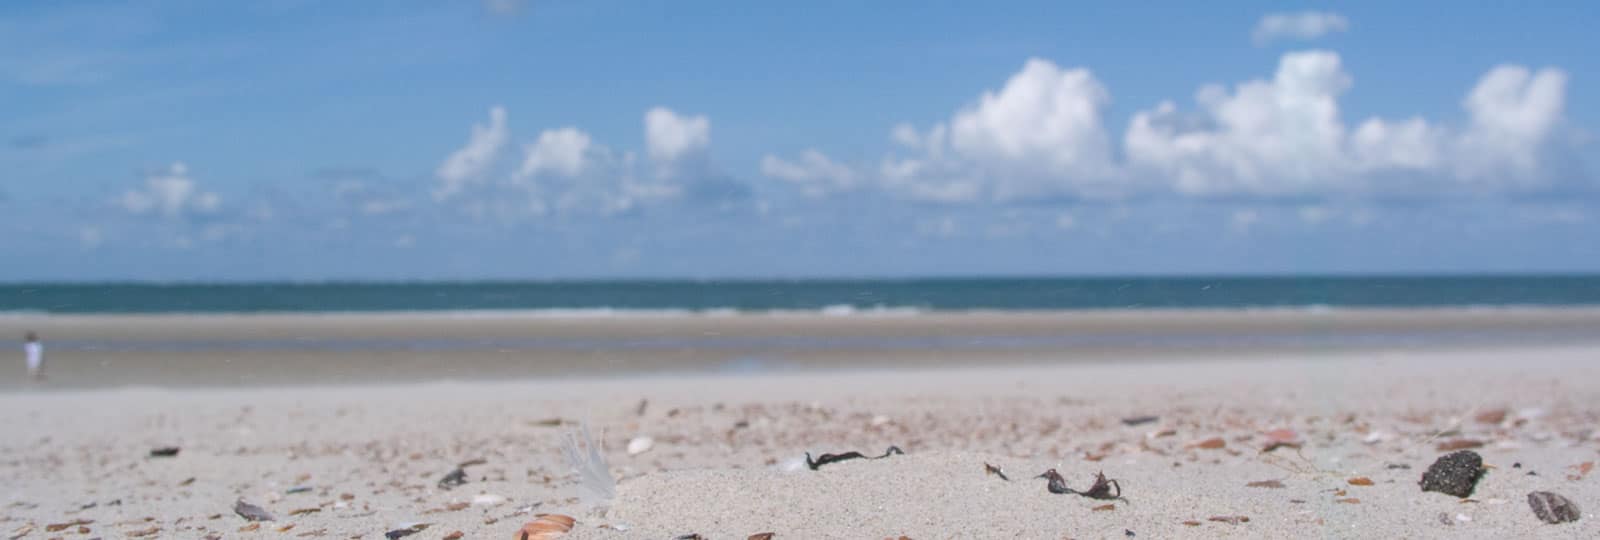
(825, 459)
(991, 469)
(1102, 489)
(405, 531)
(1057, 484)
(458, 475)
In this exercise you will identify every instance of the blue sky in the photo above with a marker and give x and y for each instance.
(565, 139)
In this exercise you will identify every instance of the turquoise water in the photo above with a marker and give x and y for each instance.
(841, 296)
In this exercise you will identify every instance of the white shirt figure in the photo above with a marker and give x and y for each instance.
(35, 352)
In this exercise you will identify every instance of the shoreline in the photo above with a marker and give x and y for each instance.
(839, 310)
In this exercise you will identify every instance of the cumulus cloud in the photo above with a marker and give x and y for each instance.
(1305, 25)
(814, 173)
(558, 151)
(672, 138)
(1514, 112)
(1269, 137)
(170, 193)
(566, 171)
(472, 161)
(1041, 136)
(679, 147)
(1285, 137)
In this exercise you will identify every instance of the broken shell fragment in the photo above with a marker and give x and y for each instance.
(546, 527)
(251, 512)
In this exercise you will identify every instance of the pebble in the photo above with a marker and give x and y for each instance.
(1552, 508)
(1455, 474)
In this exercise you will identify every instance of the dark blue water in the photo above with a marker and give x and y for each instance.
(830, 295)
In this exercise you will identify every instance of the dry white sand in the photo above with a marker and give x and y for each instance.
(723, 446)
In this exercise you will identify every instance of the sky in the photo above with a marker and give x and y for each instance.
(564, 139)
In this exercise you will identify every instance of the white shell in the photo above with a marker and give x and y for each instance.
(640, 445)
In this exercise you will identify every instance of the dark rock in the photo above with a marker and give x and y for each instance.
(1552, 508)
(1139, 420)
(165, 451)
(1455, 474)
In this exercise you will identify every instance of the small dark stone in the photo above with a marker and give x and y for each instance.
(1454, 474)
(1399, 466)
(1128, 533)
(1517, 465)
(1139, 420)
(1552, 508)
(165, 451)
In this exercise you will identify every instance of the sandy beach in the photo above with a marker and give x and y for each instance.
(359, 450)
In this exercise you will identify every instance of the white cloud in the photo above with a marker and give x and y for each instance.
(562, 171)
(1514, 113)
(559, 151)
(1040, 134)
(171, 194)
(671, 137)
(1267, 137)
(1285, 137)
(1305, 25)
(814, 173)
(472, 161)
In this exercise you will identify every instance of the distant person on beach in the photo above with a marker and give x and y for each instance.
(35, 352)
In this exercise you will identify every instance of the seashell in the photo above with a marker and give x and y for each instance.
(640, 445)
(546, 527)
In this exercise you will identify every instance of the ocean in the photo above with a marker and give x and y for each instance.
(833, 296)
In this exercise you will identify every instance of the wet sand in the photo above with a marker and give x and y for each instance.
(237, 350)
